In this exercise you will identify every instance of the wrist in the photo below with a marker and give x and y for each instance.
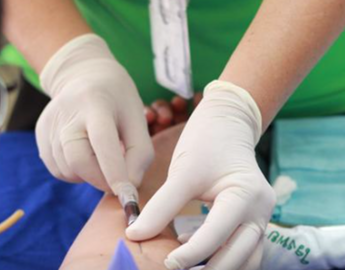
(72, 59)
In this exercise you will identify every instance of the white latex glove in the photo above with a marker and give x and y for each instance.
(95, 104)
(214, 161)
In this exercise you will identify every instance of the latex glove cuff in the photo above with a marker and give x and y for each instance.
(218, 87)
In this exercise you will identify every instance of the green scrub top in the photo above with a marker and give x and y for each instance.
(215, 28)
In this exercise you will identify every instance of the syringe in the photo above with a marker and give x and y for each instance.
(128, 196)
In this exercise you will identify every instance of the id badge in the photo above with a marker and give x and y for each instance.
(170, 43)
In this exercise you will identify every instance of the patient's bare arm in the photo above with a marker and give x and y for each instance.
(96, 243)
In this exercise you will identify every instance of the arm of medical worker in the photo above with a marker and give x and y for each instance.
(214, 159)
(95, 103)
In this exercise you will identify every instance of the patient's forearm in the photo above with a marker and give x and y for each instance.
(96, 244)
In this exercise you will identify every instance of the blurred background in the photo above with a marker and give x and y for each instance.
(20, 104)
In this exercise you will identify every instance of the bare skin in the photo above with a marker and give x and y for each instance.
(46, 25)
(283, 43)
(96, 243)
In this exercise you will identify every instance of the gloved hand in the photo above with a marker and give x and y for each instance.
(95, 105)
(214, 161)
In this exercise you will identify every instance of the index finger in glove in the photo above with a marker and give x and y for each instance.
(81, 158)
(104, 139)
(224, 218)
(139, 151)
(160, 210)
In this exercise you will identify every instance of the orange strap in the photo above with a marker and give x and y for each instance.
(13, 219)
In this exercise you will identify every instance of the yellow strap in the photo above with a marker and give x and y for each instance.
(13, 219)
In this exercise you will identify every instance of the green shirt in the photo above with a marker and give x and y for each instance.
(215, 29)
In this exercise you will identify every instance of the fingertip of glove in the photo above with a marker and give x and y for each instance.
(140, 232)
(131, 233)
(172, 264)
(134, 233)
(183, 238)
